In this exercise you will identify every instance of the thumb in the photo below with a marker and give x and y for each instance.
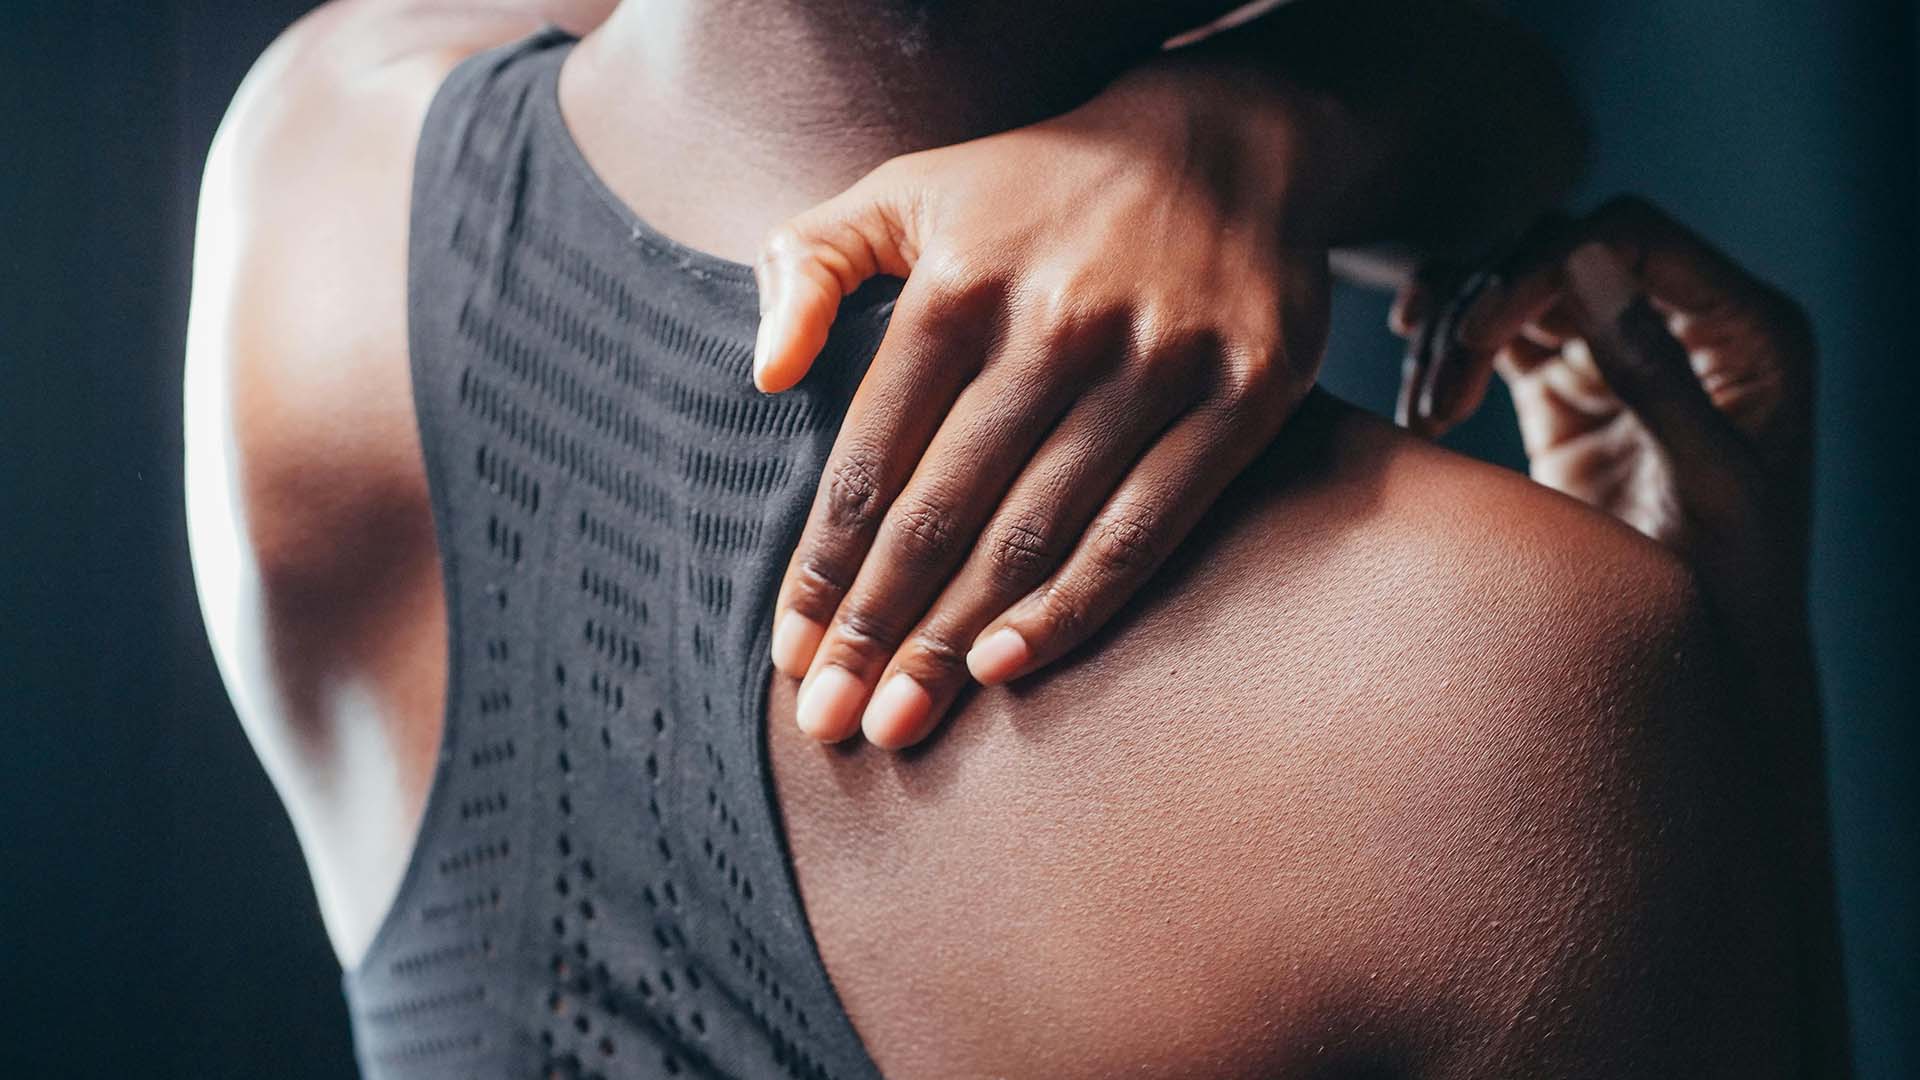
(808, 264)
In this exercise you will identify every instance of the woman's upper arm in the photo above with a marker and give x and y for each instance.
(302, 466)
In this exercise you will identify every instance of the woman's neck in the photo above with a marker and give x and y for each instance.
(717, 119)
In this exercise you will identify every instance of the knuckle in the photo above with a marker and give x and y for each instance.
(945, 271)
(1123, 546)
(1275, 331)
(1063, 611)
(867, 632)
(1260, 338)
(1163, 358)
(960, 325)
(1159, 331)
(1172, 349)
(1020, 549)
(1245, 394)
(853, 491)
(817, 586)
(1076, 333)
(924, 531)
(783, 242)
(931, 652)
(957, 287)
(1250, 374)
(1227, 411)
(1057, 297)
(1067, 328)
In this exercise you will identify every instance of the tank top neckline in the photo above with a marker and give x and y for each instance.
(873, 296)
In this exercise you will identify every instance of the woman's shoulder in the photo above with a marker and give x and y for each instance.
(297, 335)
(1398, 743)
(306, 496)
(1352, 510)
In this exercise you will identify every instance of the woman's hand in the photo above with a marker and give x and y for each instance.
(1655, 380)
(1658, 381)
(1106, 316)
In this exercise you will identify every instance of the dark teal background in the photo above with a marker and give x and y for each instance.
(1786, 131)
(155, 919)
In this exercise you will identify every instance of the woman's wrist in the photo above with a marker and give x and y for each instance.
(1273, 151)
(1437, 128)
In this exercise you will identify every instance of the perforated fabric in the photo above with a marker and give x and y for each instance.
(599, 887)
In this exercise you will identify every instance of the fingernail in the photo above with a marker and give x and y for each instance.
(998, 656)
(772, 326)
(829, 704)
(896, 712)
(1602, 286)
(762, 346)
(795, 637)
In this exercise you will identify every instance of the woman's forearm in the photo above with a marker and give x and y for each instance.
(1422, 128)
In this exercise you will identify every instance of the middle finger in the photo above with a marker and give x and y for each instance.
(1042, 515)
(993, 427)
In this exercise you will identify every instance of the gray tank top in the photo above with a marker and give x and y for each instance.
(600, 886)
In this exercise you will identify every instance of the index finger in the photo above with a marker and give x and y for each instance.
(929, 353)
(1674, 265)
(1449, 364)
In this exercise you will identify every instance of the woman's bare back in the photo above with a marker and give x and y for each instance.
(1405, 766)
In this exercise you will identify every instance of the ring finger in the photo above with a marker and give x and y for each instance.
(1035, 527)
(995, 424)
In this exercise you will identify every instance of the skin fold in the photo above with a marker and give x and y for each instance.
(1402, 767)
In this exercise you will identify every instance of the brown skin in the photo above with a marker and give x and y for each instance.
(1658, 381)
(996, 496)
(1408, 767)
(1403, 767)
(1687, 413)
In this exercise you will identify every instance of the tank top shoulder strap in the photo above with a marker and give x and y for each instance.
(479, 109)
